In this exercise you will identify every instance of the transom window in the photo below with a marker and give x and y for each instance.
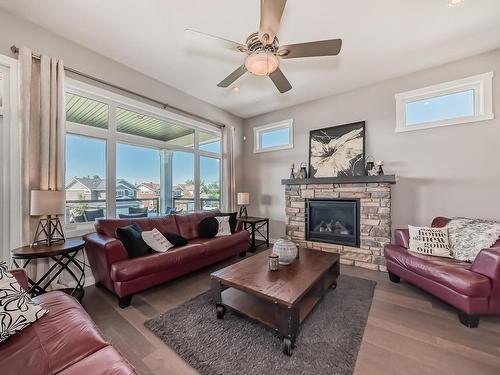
(276, 136)
(127, 159)
(456, 102)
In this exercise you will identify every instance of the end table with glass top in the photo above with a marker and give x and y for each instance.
(256, 225)
(64, 255)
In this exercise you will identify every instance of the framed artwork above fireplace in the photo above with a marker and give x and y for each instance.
(337, 151)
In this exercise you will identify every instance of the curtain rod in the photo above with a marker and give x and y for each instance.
(15, 50)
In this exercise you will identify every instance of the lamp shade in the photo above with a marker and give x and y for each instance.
(243, 199)
(47, 202)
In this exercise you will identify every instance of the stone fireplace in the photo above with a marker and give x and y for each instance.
(346, 215)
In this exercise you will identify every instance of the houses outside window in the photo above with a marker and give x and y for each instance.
(127, 159)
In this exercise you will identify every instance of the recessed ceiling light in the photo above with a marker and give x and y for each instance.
(453, 3)
(236, 89)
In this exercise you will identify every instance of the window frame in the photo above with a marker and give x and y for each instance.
(481, 84)
(258, 130)
(113, 137)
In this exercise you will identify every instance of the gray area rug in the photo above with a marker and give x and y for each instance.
(328, 342)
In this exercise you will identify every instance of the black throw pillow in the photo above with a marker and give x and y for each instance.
(208, 227)
(175, 239)
(131, 238)
(232, 219)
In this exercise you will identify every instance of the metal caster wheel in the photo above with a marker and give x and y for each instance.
(334, 285)
(286, 346)
(221, 310)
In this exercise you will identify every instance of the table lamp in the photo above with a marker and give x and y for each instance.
(243, 200)
(48, 204)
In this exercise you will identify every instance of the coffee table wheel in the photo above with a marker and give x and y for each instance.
(221, 310)
(286, 346)
(334, 285)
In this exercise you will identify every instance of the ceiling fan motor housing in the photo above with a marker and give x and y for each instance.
(254, 44)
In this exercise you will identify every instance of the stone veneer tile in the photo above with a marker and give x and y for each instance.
(375, 221)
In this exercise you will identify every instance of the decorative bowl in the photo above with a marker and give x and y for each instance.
(286, 250)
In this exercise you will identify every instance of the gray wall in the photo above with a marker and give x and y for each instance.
(20, 32)
(452, 171)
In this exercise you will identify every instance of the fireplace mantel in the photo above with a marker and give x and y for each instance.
(391, 179)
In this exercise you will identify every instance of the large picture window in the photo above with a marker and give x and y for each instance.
(127, 159)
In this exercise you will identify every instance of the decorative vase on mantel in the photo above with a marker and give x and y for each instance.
(286, 250)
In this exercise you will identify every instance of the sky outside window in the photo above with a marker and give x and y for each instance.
(275, 138)
(443, 107)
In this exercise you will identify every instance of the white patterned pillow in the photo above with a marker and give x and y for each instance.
(430, 241)
(156, 240)
(224, 227)
(17, 310)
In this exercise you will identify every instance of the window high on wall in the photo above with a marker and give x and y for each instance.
(271, 137)
(457, 102)
(127, 159)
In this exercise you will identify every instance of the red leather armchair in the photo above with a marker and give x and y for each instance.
(65, 341)
(473, 288)
(113, 269)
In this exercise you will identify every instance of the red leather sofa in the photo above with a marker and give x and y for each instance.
(65, 341)
(124, 276)
(473, 288)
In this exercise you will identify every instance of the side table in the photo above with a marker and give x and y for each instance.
(255, 225)
(63, 255)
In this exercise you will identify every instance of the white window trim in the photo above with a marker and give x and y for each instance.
(482, 84)
(285, 124)
(10, 161)
(112, 137)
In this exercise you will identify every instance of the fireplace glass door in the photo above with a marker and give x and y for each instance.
(333, 221)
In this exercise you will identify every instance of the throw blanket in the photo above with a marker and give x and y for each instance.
(469, 236)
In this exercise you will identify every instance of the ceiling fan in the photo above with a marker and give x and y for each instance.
(263, 49)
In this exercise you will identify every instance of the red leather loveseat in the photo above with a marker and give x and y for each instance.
(65, 341)
(124, 276)
(473, 288)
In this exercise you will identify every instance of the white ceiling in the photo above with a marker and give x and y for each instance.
(381, 39)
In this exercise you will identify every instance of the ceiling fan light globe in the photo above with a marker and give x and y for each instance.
(261, 63)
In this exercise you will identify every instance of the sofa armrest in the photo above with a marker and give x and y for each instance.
(21, 277)
(487, 263)
(102, 251)
(402, 238)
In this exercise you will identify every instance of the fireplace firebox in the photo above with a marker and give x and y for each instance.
(333, 221)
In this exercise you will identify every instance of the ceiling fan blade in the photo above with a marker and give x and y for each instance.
(214, 41)
(270, 17)
(233, 76)
(329, 47)
(280, 81)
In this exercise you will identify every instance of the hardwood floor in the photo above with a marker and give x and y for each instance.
(408, 331)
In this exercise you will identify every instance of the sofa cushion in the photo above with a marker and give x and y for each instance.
(188, 224)
(61, 338)
(217, 244)
(131, 269)
(175, 239)
(232, 219)
(208, 227)
(17, 310)
(106, 361)
(452, 273)
(131, 238)
(162, 223)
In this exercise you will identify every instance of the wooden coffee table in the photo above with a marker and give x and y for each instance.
(279, 299)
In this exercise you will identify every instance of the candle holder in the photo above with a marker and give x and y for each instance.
(274, 262)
